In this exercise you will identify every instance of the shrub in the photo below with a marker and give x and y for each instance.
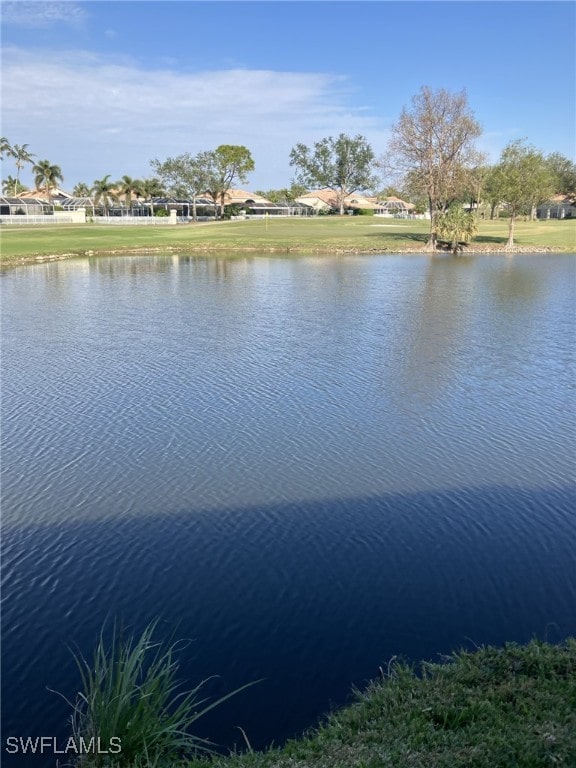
(457, 226)
(364, 211)
(234, 209)
(130, 693)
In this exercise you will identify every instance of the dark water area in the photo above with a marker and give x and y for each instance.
(302, 466)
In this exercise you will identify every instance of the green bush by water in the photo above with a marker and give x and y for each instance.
(131, 696)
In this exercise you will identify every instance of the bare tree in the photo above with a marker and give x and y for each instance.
(433, 142)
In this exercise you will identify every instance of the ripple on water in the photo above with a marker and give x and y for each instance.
(307, 466)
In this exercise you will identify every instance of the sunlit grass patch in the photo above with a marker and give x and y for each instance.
(322, 234)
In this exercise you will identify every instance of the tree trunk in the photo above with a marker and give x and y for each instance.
(214, 197)
(431, 244)
(194, 214)
(492, 211)
(510, 243)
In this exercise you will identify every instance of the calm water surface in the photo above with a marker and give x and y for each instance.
(304, 466)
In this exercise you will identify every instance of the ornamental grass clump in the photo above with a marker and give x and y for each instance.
(131, 699)
(457, 227)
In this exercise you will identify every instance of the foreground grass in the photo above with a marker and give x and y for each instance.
(131, 700)
(495, 708)
(314, 235)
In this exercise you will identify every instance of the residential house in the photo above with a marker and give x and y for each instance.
(326, 200)
(558, 207)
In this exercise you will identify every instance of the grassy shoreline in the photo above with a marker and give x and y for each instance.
(322, 235)
(492, 708)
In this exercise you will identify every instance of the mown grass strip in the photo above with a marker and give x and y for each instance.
(314, 235)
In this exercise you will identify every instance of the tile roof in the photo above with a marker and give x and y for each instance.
(40, 194)
(328, 197)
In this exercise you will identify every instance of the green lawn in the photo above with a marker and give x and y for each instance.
(494, 708)
(328, 234)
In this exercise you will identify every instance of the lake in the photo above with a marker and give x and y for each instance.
(302, 466)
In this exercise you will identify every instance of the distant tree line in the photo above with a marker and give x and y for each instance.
(431, 159)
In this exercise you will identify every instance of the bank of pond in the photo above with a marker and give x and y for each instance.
(322, 234)
(492, 707)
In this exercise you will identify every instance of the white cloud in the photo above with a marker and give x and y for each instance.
(93, 116)
(42, 14)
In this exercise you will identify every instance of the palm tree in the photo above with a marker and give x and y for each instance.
(103, 191)
(47, 176)
(457, 227)
(5, 147)
(81, 190)
(21, 157)
(151, 188)
(13, 187)
(127, 186)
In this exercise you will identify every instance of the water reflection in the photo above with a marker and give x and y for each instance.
(517, 283)
(132, 383)
(437, 328)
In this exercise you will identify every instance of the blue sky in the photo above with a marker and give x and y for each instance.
(104, 87)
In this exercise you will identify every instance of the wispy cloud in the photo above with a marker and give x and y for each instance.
(94, 116)
(42, 14)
